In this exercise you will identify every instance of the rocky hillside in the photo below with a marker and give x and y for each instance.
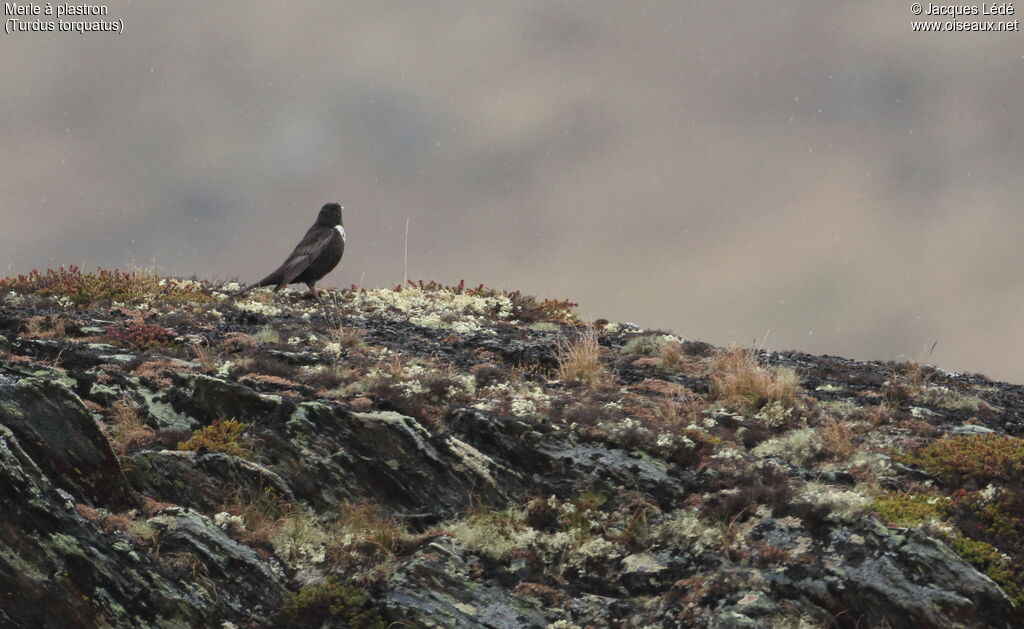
(436, 456)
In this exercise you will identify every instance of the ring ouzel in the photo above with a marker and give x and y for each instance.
(315, 256)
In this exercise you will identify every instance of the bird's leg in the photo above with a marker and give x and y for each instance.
(312, 290)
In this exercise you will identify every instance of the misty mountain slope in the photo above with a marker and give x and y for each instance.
(458, 457)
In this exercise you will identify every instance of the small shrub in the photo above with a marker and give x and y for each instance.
(103, 285)
(264, 364)
(140, 336)
(997, 566)
(223, 435)
(237, 342)
(746, 489)
(740, 382)
(910, 509)
(876, 415)
(580, 360)
(978, 459)
(331, 602)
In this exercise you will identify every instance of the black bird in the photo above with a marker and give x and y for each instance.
(315, 256)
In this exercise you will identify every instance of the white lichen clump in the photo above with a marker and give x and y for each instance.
(256, 307)
(796, 447)
(229, 523)
(843, 504)
(446, 309)
(687, 526)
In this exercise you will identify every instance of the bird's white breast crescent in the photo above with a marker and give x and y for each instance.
(341, 232)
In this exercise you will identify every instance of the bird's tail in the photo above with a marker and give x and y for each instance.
(246, 290)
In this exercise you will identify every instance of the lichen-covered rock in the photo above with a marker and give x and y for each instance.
(421, 457)
(200, 481)
(59, 569)
(233, 576)
(62, 438)
(434, 589)
(903, 578)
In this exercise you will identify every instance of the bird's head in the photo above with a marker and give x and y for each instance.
(330, 215)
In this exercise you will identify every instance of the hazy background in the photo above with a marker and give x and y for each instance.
(811, 171)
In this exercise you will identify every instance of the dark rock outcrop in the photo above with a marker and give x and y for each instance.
(52, 425)
(431, 454)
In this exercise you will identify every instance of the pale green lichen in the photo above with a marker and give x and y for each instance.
(649, 344)
(258, 307)
(841, 408)
(460, 312)
(65, 545)
(797, 447)
(843, 504)
(597, 548)
(952, 400)
(234, 524)
(495, 535)
(686, 526)
(20, 566)
(299, 541)
(774, 414)
(477, 462)
(267, 335)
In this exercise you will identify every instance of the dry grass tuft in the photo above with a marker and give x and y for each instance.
(237, 342)
(365, 529)
(262, 511)
(682, 410)
(203, 353)
(580, 360)
(128, 432)
(741, 382)
(348, 338)
(915, 374)
(836, 440)
(671, 357)
(151, 507)
(45, 327)
(877, 415)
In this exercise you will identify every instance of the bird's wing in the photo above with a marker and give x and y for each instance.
(311, 246)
